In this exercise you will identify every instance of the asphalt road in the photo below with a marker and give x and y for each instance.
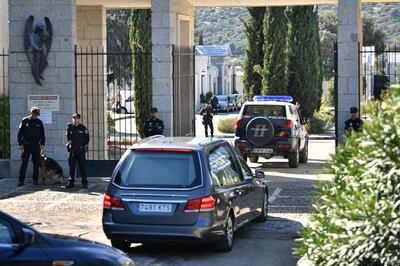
(78, 212)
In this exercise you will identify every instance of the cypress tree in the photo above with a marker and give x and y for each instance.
(140, 39)
(201, 42)
(254, 53)
(274, 70)
(305, 61)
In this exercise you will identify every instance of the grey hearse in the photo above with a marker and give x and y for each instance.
(182, 190)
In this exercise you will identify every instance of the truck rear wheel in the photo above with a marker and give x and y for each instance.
(294, 159)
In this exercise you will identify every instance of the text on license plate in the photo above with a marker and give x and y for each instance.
(153, 207)
(262, 150)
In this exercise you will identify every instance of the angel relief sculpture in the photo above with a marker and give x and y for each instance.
(37, 43)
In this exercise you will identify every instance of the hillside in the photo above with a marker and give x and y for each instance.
(225, 26)
(222, 26)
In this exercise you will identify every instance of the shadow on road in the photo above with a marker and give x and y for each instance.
(255, 244)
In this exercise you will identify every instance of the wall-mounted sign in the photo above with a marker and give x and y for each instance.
(46, 117)
(50, 103)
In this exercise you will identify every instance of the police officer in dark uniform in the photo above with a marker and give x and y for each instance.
(153, 126)
(78, 139)
(208, 112)
(31, 140)
(354, 123)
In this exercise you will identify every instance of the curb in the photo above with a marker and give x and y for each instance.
(321, 137)
(122, 118)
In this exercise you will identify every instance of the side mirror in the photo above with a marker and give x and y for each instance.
(260, 174)
(27, 237)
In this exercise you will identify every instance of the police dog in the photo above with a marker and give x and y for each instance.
(50, 169)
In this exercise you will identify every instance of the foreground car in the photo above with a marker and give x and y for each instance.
(20, 244)
(182, 190)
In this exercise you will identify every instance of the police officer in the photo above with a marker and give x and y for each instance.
(78, 139)
(214, 103)
(208, 112)
(153, 126)
(354, 123)
(31, 140)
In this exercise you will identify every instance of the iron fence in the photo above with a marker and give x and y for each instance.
(105, 100)
(4, 107)
(378, 70)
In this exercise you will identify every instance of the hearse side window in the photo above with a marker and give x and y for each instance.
(223, 168)
(245, 169)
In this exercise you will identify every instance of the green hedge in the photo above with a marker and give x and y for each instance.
(357, 216)
(320, 122)
(4, 127)
(227, 125)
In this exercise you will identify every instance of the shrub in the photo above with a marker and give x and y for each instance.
(202, 98)
(227, 125)
(208, 96)
(110, 124)
(357, 219)
(315, 126)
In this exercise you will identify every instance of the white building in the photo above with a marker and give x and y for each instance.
(216, 71)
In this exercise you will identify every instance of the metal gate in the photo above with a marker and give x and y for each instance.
(105, 100)
(4, 107)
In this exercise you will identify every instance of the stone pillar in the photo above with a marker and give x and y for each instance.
(349, 36)
(172, 25)
(59, 74)
(3, 24)
(3, 46)
(91, 72)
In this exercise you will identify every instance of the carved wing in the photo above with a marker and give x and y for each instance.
(50, 37)
(27, 33)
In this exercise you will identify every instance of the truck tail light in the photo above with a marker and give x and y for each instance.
(238, 123)
(289, 124)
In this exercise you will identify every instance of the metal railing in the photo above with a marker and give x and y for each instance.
(101, 78)
(378, 70)
(4, 107)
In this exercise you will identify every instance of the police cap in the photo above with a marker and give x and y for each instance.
(353, 110)
(154, 110)
(35, 110)
(77, 115)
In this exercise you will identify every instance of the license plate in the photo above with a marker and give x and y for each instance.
(262, 150)
(153, 207)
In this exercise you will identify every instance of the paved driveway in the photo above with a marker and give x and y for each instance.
(78, 212)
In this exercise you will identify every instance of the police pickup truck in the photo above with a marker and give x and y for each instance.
(271, 126)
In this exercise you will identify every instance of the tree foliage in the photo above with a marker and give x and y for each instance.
(140, 39)
(201, 42)
(275, 63)
(373, 35)
(252, 81)
(357, 216)
(118, 24)
(305, 63)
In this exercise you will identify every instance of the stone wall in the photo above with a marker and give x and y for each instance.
(59, 73)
